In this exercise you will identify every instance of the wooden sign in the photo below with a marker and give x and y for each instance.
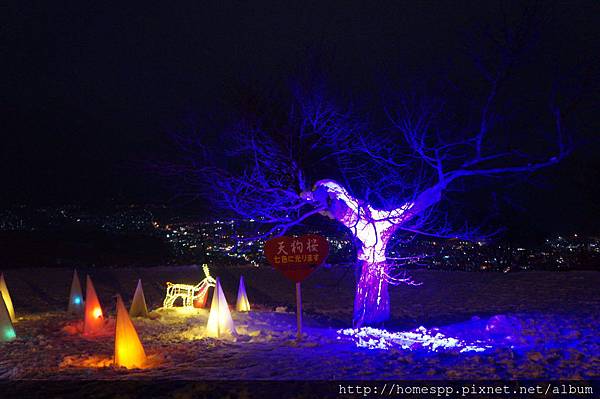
(297, 257)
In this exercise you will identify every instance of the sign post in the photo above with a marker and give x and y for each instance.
(297, 258)
(298, 312)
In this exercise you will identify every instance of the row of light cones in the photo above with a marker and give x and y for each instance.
(76, 304)
(129, 351)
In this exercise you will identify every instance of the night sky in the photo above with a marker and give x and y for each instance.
(89, 92)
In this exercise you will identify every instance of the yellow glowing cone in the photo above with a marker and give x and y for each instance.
(75, 296)
(242, 299)
(7, 300)
(219, 320)
(7, 331)
(94, 320)
(129, 351)
(138, 305)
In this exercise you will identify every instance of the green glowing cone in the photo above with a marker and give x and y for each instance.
(7, 331)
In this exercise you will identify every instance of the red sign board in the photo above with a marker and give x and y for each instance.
(297, 257)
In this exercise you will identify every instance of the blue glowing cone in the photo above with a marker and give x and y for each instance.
(75, 296)
(242, 304)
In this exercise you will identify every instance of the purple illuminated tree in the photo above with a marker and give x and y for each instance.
(282, 162)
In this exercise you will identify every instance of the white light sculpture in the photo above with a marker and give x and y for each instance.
(189, 293)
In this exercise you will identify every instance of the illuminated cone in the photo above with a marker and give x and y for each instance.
(75, 297)
(219, 320)
(7, 331)
(138, 305)
(242, 299)
(7, 301)
(129, 351)
(94, 321)
(200, 298)
(205, 284)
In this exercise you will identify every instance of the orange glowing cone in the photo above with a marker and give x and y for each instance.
(94, 321)
(219, 320)
(242, 299)
(138, 305)
(7, 331)
(129, 352)
(75, 296)
(7, 301)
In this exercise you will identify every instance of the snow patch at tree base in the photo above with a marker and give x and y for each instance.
(418, 339)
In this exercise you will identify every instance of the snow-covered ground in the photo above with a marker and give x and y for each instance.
(532, 325)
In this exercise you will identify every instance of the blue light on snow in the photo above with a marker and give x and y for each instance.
(418, 339)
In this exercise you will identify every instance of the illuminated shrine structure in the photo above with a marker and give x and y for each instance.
(242, 304)
(75, 296)
(94, 319)
(219, 322)
(6, 297)
(129, 352)
(138, 305)
(189, 293)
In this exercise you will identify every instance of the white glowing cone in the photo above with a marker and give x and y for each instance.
(219, 320)
(138, 305)
(7, 331)
(242, 304)
(75, 296)
(7, 301)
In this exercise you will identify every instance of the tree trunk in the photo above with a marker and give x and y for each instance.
(372, 302)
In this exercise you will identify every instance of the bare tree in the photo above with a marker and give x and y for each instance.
(317, 158)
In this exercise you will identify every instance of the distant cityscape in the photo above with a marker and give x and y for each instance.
(235, 242)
